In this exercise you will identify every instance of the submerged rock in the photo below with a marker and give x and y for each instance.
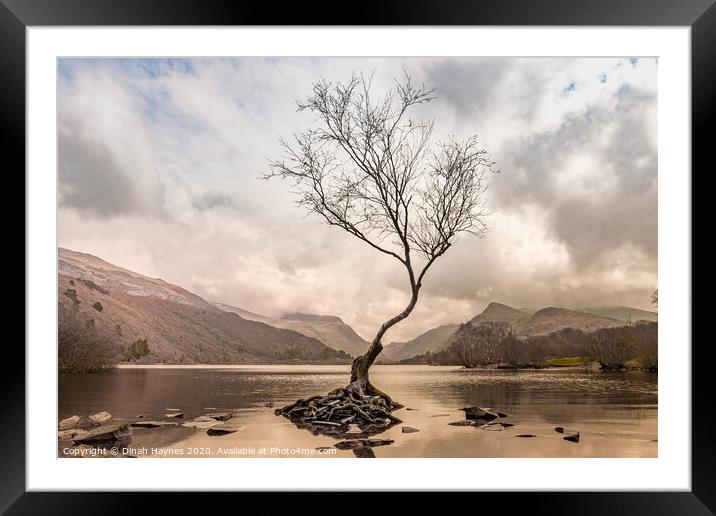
(572, 438)
(151, 424)
(221, 416)
(116, 432)
(559, 429)
(462, 422)
(69, 422)
(224, 429)
(526, 435)
(480, 413)
(410, 430)
(201, 422)
(362, 443)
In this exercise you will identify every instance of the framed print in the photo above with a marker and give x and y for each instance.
(258, 252)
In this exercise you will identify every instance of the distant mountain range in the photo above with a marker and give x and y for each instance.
(525, 323)
(179, 326)
(329, 329)
(182, 327)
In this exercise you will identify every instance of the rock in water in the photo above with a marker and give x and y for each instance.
(572, 438)
(151, 424)
(221, 416)
(362, 443)
(174, 414)
(101, 417)
(526, 435)
(410, 430)
(69, 422)
(479, 413)
(559, 429)
(69, 435)
(201, 422)
(86, 422)
(105, 434)
(462, 422)
(224, 429)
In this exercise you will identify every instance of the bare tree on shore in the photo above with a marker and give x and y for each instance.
(370, 169)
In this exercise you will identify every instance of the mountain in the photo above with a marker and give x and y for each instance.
(245, 314)
(329, 329)
(497, 312)
(552, 319)
(179, 326)
(524, 322)
(431, 340)
(623, 313)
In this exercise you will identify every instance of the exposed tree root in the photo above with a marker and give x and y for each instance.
(334, 413)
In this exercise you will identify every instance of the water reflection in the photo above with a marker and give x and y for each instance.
(615, 413)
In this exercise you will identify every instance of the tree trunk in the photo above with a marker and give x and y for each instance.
(360, 382)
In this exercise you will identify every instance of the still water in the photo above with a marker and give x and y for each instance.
(615, 413)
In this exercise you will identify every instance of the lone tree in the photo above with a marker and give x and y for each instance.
(369, 169)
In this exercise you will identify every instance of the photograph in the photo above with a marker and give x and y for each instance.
(357, 257)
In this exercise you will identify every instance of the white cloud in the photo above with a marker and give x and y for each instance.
(160, 164)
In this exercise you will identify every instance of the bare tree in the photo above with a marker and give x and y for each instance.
(369, 169)
(482, 344)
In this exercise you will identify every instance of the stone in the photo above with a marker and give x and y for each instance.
(101, 417)
(440, 415)
(69, 422)
(409, 430)
(559, 429)
(175, 415)
(526, 435)
(69, 435)
(221, 416)
(479, 413)
(87, 422)
(354, 429)
(201, 422)
(151, 424)
(224, 429)
(116, 432)
(572, 438)
(362, 443)
(462, 422)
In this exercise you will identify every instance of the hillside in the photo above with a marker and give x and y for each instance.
(497, 312)
(552, 319)
(623, 313)
(431, 340)
(179, 326)
(524, 323)
(329, 329)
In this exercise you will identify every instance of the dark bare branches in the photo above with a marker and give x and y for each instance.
(367, 168)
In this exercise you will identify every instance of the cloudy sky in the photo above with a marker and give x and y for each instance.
(160, 164)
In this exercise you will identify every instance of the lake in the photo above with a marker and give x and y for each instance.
(615, 413)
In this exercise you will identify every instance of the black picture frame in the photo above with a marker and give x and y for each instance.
(17, 15)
